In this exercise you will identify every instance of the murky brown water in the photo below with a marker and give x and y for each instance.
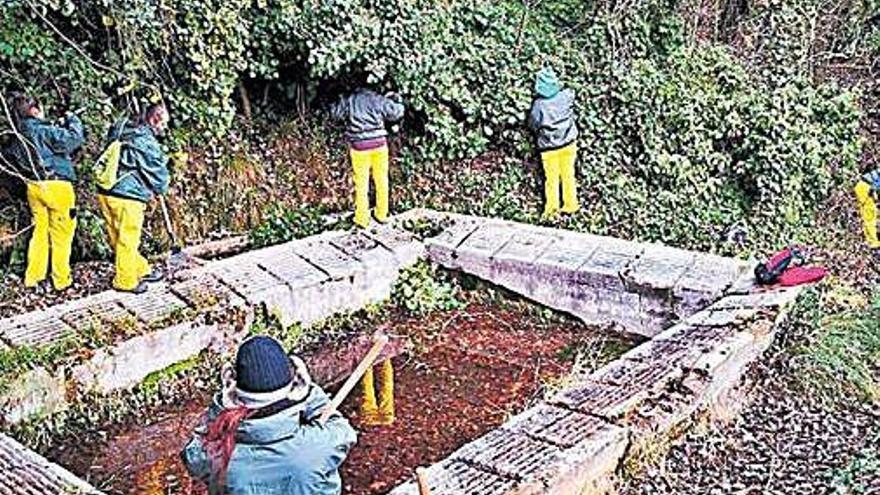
(486, 363)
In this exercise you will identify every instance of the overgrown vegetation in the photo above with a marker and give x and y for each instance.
(285, 225)
(693, 120)
(836, 333)
(422, 289)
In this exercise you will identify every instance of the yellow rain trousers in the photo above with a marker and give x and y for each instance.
(868, 210)
(125, 219)
(381, 413)
(365, 163)
(52, 205)
(559, 164)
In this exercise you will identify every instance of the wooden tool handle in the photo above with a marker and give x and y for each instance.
(422, 479)
(379, 341)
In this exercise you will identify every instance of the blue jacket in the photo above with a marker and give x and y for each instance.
(282, 454)
(54, 146)
(143, 166)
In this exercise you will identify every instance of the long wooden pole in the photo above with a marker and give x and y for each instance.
(422, 478)
(379, 341)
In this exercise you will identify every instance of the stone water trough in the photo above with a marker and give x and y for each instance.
(704, 319)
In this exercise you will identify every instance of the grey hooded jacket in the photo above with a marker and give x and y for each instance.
(552, 120)
(365, 114)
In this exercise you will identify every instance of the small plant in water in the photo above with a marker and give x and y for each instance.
(421, 290)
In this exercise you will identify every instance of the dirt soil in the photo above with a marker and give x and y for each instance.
(88, 278)
(470, 369)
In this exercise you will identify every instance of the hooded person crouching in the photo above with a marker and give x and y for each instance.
(262, 433)
(552, 120)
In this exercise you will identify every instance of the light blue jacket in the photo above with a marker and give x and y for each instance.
(282, 454)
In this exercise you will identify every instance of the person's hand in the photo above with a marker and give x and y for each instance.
(394, 96)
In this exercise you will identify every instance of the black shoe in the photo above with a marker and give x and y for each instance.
(41, 289)
(154, 276)
(140, 289)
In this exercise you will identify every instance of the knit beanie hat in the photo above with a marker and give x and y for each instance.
(265, 374)
(547, 85)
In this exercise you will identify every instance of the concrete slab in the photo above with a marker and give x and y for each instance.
(23, 471)
(566, 255)
(659, 268)
(247, 280)
(153, 306)
(293, 269)
(601, 399)
(205, 291)
(38, 328)
(330, 259)
(459, 478)
(406, 248)
(650, 374)
(563, 428)
(509, 454)
(721, 317)
(767, 299)
(126, 364)
(453, 235)
(474, 254)
(525, 247)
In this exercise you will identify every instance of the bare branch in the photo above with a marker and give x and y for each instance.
(25, 142)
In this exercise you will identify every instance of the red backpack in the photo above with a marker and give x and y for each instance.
(785, 268)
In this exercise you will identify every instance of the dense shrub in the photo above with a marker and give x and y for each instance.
(679, 140)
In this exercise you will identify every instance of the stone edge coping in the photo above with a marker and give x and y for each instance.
(43, 326)
(454, 239)
(20, 464)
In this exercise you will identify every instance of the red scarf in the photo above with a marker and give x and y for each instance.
(220, 440)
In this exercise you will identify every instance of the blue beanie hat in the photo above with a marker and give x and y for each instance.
(546, 83)
(262, 366)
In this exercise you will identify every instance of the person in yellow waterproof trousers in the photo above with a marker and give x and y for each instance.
(142, 173)
(381, 412)
(553, 122)
(45, 159)
(867, 192)
(366, 114)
